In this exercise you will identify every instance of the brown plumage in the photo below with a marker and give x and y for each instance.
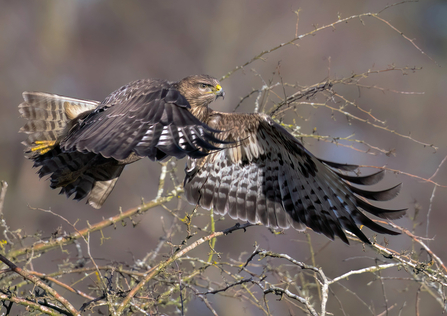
(261, 174)
(84, 145)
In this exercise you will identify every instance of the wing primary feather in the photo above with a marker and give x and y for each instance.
(231, 205)
(330, 214)
(241, 195)
(296, 198)
(362, 219)
(202, 138)
(281, 216)
(343, 204)
(363, 180)
(175, 141)
(261, 208)
(383, 195)
(207, 189)
(380, 212)
(251, 195)
(341, 166)
(220, 170)
(189, 145)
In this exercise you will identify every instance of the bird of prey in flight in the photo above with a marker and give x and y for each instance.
(244, 165)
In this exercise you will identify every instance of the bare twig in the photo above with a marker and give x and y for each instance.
(155, 270)
(280, 291)
(65, 240)
(39, 283)
(261, 55)
(28, 304)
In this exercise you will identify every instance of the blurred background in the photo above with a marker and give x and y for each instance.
(87, 49)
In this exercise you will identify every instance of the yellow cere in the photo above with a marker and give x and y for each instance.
(218, 88)
(43, 146)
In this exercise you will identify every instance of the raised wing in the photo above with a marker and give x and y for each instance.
(147, 117)
(270, 178)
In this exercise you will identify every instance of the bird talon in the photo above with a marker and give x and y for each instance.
(43, 146)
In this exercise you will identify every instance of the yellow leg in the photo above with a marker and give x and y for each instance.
(43, 146)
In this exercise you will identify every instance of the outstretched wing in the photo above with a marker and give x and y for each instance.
(270, 178)
(146, 117)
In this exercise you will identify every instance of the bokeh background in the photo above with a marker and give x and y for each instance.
(87, 49)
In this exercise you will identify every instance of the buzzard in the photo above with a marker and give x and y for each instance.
(244, 165)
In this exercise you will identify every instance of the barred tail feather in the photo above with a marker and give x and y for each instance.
(49, 118)
(102, 189)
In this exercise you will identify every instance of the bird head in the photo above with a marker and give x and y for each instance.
(200, 90)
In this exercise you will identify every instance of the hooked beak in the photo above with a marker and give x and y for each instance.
(219, 92)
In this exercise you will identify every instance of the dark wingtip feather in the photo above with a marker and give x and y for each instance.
(380, 229)
(383, 195)
(362, 219)
(380, 212)
(341, 166)
(340, 233)
(352, 227)
(363, 180)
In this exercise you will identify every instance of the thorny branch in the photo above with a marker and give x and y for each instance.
(25, 274)
(111, 221)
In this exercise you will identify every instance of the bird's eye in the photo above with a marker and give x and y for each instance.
(203, 86)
